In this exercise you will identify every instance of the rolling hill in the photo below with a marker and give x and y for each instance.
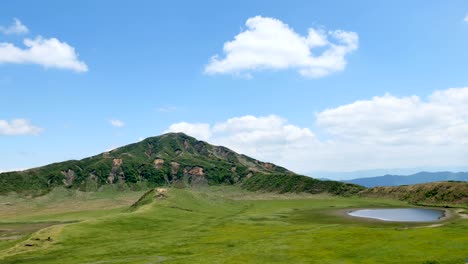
(435, 193)
(173, 159)
(421, 177)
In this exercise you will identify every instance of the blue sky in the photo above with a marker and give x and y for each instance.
(386, 89)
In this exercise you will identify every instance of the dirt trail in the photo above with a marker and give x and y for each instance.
(430, 226)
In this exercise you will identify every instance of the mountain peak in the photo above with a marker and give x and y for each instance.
(171, 158)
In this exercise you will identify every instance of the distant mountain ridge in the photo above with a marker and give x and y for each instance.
(421, 177)
(172, 159)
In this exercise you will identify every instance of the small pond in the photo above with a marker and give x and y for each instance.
(400, 214)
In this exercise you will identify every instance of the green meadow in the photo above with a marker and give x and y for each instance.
(222, 224)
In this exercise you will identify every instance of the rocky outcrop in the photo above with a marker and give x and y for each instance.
(69, 177)
(117, 162)
(186, 145)
(222, 152)
(197, 171)
(116, 172)
(161, 193)
(195, 175)
(158, 163)
(174, 167)
(268, 166)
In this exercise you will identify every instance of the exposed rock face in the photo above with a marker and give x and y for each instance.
(222, 152)
(196, 175)
(69, 177)
(174, 167)
(268, 166)
(158, 163)
(233, 169)
(161, 190)
(161, 193)
(249, 175)
(116, 162)
(186, 145)
(116, 171)
(197, 171)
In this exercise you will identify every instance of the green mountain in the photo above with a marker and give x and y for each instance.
(171, 159)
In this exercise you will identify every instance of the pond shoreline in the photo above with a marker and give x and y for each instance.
(446, 214)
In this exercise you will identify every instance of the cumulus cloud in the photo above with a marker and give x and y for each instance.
(269, 138)
(18, 127)
(116, 123)
(15, 28)
(441, 119)
(270, 44)
(198, 130)
(382, 132)
(49, 53)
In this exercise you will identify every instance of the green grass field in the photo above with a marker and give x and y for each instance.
(216, 225)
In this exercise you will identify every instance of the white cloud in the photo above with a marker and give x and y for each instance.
(270, 44)
(200, 131)
(466, 18)
(18, 127)
(15, 28)
(49, 53)
(269, 138)
(441, 119)
(382, 132)
(116, 123)
(9, 170)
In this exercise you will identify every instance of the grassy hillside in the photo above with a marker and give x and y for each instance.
(172, 159)
(284, 183)
(437, 193)
(188, 226)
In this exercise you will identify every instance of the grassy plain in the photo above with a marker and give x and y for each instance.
(216, 225)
